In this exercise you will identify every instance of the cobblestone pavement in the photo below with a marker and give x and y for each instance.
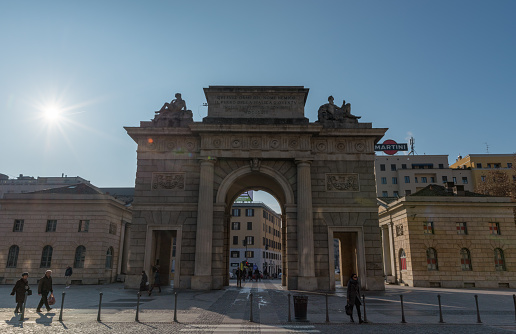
(229, 311)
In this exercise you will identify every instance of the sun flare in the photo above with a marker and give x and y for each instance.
(52, 113)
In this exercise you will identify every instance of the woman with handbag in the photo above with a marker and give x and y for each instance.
(353, 298)
(44, 287)
(21, 286)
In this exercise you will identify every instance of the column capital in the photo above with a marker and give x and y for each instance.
(207, 160)
(303, 161)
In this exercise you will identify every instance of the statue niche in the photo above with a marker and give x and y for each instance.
(332, 116)
(173, 114)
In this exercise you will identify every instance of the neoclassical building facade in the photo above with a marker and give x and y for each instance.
(255, 138)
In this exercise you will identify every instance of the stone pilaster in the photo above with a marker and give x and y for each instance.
(305, 230)
(204, 235)
(125, 247)
(283, 250)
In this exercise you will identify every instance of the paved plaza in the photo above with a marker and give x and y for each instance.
(229, 311)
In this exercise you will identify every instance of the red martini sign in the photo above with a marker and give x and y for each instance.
(390, 147)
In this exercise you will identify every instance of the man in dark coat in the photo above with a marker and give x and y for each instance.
(68, 276)
(21, 286)
(44, 287)
(144, 283)
(353, 297)
(157, 282)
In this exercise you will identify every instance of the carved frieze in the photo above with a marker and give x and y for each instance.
(163, 144)
(168, 181)
(342, 182)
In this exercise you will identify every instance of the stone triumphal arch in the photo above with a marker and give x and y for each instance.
(190, 173)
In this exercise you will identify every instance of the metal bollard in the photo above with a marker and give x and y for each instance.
(514, 299)
(62, 305)
(100, 306)
(251, 316)
(365, 313)
(327, 315)
(440, 310)
(22, 316)
(289, 319)
(402, 311)
(137, 308)
(478, 311)
(175, 306)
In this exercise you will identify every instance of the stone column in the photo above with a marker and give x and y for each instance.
(125, 247)
(283, 250)
(305, 228)
(203, 243)
(386, 243)
(393, 253)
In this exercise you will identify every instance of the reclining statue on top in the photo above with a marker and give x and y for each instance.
(330, 113)
(173, 114)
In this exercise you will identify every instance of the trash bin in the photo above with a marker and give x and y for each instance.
(300, 306)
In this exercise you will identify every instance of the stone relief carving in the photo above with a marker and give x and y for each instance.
(342, 182)
(330, 115)
(168, 181)
(255, 164)
(173, 114)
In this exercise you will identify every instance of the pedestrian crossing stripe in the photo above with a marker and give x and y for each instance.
(229, 328)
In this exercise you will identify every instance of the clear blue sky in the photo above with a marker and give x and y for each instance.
(441, 71)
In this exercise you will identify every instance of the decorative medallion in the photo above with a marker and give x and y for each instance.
(341, 146)
(171, 145)
(342, 182)
(292, 143)
(360, 146)
(236, 143)
(256, 142)
(190, 146)
(217, 142)
(274, 143)
(321, 146)
(168, 181)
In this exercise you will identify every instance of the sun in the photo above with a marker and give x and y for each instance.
(52, 113)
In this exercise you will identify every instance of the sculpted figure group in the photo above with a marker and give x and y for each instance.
(173, 114)
(331, 112)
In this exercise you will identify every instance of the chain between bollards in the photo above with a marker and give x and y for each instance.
(365, 312)
(100, 306)
(327, 314)
(137, 308)
(440, 310)
(175, 306)
(62, 306)
(289, 319)
(402, 311)
(251, 313)
(478, 311)
(22, 317)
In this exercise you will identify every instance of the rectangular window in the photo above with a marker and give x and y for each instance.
(432, 179)
(445, 178)
(407, 179)
(479, 165)
(393, 167)
(483, 178)
(454, 180)
(264, 213)
(249, 226)
(464, 180)
(424, 179)
(384, 180)
(250, 240)
(428, 227)
(249, 254)
(441, 166)
(235, 212)
(264, 241)
(249, 212)
(462, 228)
(18, 225)
(509, 165)
(235, 254)
(51, 225)
(394, 180)
(84, 225)
(396, 193)
(415, 179)
(112, 228)
(385, 194)
(494, 228)
(235, 240)
(403, 166)
(408, 192)
(235, 226)
(382, 167)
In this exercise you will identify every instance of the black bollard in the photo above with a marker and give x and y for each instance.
(22, 316)
(440, 310)
(251, 315)
(100, 305)
(175, 306)
(514, 299)
(478, 311)
(137, 308)
(402, 311)
(327, 314)
(62, 305)
(289, 319)
(365, 313)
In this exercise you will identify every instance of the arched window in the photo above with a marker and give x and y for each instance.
(46, 257)
(465, 259)
(431, 259)
(403, 260)
(499, 259)
(109, 258)
(12, 257)
(80, 255)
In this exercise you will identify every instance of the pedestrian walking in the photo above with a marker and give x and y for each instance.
(44, 287)
(144, 283)
(68, 276)
(257, 273)
(21, 286)
(157, 281)
(353, 297)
